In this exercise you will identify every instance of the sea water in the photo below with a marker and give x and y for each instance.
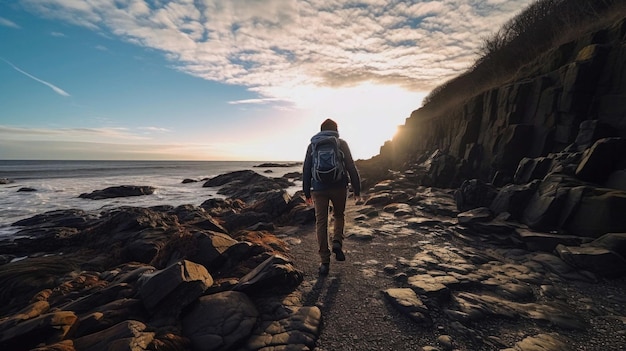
(58, 184)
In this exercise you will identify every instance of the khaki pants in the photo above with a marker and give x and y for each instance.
(337, 197)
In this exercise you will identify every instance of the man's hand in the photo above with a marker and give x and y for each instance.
(358, 199)
(309, 201)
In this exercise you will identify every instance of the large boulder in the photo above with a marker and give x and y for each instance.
(44, 329)
(595, 259)
(127, 335)
(246, 185)
(513, 199)
(553, 202)
(166, 292)
(220, 321)
(474, 193)
(274, 203)
(615, 242)
(602, 159)
(118, 191)
(275, 272)
(530, 169)
(210, 247)
(599, 211)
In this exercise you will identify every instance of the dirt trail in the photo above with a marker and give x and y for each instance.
(355, 314)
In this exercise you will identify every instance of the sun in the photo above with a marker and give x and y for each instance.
(367, 114)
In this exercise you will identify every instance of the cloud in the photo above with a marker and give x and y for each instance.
(71, 134)
(254, 101)
(49, 85)
(8, 23)
(57, 34)
(274, 46)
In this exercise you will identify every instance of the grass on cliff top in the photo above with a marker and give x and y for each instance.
(542, 27)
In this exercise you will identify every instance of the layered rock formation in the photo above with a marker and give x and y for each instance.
(547, 150)
(159, 278)
(568, 99)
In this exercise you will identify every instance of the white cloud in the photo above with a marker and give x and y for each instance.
(57, 34)
(49, 85)
(72, 134)
(275, 45)
(8, 23)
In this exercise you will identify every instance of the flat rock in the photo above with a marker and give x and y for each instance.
(542, 342)
(44, 329)
(220, 321)
(169, 290)
(407, 302)
(118, 191)
(596, 259)
(127, 335)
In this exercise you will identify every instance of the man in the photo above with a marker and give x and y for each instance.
(329, 187)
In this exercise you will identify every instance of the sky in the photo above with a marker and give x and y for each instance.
(224, 80)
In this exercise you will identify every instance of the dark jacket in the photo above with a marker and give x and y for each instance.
(352, 175)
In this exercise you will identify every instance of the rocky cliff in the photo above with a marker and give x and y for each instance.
(564, 101)
(548, 149)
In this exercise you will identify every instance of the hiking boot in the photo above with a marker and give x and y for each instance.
(339, 256)
(324, 268)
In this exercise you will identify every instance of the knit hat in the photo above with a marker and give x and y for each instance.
(329, 124)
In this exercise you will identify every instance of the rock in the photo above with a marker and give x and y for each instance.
(234, 221)
(127, 335)
(220, 321)
(542, 342)
(5, 181)
(617, 180)
(513, 199)
(557, 265)
(599, 211)
(379, 199)
(188, 180)
(601, 160)
(429, 286)
(360, 233)
(72, 218)
(118, 191)
(536, 241)
(407, 302)
(275, 272)
(198, 217)
(26, 190)
(445, 341)
(480, 214)
(209, 248)
(530, 169)
(246, 185)
(274, 203)
(166, 292)
(298, 331)
(44, 329)
(552, 204)
(596, 259)
(108, 315)
(399, 209)
(302, 214)
(474, 193)
(615, 242)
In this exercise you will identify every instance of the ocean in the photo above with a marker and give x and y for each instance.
(57, 184)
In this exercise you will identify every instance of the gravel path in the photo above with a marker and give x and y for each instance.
(356, 315)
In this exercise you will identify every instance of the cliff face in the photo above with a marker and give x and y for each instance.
(565, 101)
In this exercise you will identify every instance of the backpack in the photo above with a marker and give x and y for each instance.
(327, 159)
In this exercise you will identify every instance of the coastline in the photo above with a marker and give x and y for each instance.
(57, 185)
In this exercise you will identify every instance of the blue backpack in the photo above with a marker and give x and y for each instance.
(327, 159)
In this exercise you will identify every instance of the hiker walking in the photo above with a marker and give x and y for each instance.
(328, 167)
